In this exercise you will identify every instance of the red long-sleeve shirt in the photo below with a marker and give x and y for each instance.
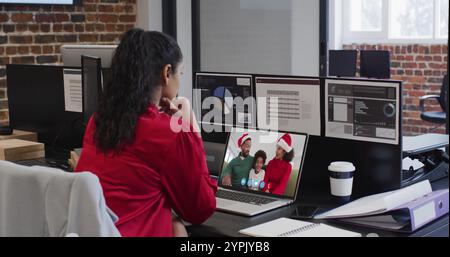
(277, 176)
(160, 171)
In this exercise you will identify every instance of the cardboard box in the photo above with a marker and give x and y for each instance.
(16, 150)
(20, 134)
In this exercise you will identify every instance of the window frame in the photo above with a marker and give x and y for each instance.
(385, 36)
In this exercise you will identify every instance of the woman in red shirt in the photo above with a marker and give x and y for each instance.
(149, 166)
(279, 169)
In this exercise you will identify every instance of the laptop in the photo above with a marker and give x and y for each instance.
(262, 188)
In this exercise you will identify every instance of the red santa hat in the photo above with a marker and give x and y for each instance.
(244, 138)
(285, 142)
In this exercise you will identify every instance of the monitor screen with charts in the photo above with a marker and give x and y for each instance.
(224, 99)
(263, 162)
(288, 104)
(363, 110)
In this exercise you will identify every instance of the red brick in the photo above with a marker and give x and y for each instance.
(89, 27)
(107, 8)
(436, 49)
(45, 28)
(11, 50)
(21, 17)
(119, 8)
(109, 37)
(61, 17)
(107, 18)
(20, 39)
(100, 27)
(127, 18)
(23, 50)
(90, 7)
(57, 27)
(88, 38)
(4, 17)
(111, 27)
(68, 27)
(45, 17)
(409, 65)
(21, 27)
(91, 17)
(33, 28)
(46, 49)
(36, 49)
(435, 65)
(79, 28)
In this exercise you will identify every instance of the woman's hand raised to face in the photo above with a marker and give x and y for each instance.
(180, 107)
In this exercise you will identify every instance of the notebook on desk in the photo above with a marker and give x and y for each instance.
(285, 227)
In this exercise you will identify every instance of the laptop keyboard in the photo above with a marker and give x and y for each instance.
(245, 198)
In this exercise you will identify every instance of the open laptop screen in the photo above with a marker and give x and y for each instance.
(263, 162)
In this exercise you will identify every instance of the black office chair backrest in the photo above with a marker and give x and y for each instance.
(342, 63)
(375, 64)
(443, 100)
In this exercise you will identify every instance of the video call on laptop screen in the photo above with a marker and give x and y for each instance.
(263, 162)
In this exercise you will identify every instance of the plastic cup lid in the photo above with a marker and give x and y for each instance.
(341, 167)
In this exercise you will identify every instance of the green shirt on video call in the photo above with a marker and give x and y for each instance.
(238, 169)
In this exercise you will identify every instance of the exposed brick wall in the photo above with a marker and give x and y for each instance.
(422, 69)
(34, 34)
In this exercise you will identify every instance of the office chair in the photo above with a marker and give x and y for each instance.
(436, 117)
(342, 63)
(375, 64)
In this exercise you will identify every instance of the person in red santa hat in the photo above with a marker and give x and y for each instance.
(279, 168)
(236, 173)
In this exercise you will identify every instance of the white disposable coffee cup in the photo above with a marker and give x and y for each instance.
(341, 179)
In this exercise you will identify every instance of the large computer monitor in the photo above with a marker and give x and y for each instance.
(221, 101)
(36, 103)
(342, 63)
(91, 85)
(363, 110)
(289, 104)
(375, 64)
(71, 54)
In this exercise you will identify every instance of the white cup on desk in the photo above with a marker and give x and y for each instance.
(341, 180)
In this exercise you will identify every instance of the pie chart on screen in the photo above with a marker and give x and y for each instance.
(226, 98)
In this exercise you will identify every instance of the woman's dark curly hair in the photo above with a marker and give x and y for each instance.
(135, 78)
(288, 156)
(259, 154)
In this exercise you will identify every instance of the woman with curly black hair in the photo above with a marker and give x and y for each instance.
(279, 169)
(147, 167)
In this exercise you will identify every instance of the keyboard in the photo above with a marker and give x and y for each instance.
(245, 198)
(59, 164)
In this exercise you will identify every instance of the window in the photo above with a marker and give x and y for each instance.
(396, 21)
(443, 19)
(366, 15)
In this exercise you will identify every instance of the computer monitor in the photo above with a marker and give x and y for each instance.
(71, 54)
(289, 104)
(363, 110)
(91, 85)
(36, 104)
(214, 157)
(375, 64)
(267, 175)
(221, 101)
(342, 63)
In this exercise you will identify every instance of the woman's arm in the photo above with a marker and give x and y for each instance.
(186, 180)
(281, 187)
